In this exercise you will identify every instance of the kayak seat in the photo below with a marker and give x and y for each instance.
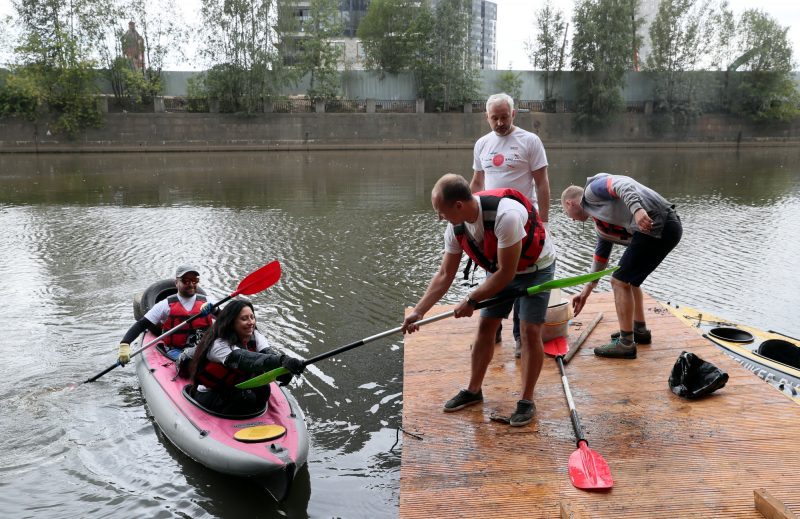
(781, 351)
(188, 389)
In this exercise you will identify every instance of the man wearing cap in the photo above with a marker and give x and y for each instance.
(170, 312)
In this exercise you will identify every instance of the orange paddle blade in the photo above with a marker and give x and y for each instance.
(259, 280)
(557, 346)
(588, 470)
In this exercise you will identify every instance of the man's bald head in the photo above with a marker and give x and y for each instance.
(451, 188)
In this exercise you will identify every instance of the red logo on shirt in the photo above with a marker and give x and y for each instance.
(498, 160)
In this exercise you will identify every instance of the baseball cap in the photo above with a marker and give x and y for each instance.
(185, 269)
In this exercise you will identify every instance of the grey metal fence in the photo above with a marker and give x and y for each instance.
(392, 106)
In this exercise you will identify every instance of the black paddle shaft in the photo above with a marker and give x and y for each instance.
(576, 422)
(137, 352)
(483, 304)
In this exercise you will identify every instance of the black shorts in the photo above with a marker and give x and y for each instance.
(645, 252)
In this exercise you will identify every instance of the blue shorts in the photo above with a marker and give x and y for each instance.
(532, 309)
(174, 353)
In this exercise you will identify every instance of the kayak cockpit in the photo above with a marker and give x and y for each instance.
(781, 351)
(187, 394)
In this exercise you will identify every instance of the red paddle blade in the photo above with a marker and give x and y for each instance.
(259, 280)
(557, 346)
(588, 470)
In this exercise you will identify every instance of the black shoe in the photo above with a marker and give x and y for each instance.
(463, 399)
(523, 415)
(498, 337)
(638, 337)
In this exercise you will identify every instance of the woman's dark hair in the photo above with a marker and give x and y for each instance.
(223, 328)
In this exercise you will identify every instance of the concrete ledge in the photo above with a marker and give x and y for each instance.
(157, 132)
(214, 147)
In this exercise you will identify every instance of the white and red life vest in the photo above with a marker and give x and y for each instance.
(178, 314)
(486, 257)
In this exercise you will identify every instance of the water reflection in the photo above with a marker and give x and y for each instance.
(357, 241)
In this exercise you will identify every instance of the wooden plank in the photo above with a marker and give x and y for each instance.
(669, 457)
(572, 511)
(770, 507)
(575, 345)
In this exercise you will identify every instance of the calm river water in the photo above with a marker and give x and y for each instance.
(357, 241)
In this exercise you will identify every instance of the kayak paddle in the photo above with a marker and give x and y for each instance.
(587, 469)
(270, 376)
(255, 282)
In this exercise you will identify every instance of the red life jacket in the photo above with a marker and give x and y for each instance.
(532, 244)
(614, 233)
(178, 314)
(215, 375)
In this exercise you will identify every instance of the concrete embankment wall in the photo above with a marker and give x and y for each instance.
(182, 131)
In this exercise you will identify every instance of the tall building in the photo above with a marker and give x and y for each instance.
(350, 14)
(647, 11)
(483, 31)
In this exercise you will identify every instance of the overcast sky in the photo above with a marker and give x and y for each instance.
(515, 26)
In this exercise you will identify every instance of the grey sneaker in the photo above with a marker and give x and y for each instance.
(463, 399)
(523, 415)
(616, 350)
(518, 349)
(638, 337)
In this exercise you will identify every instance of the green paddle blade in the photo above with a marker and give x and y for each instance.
(263, 379)
(569, 282)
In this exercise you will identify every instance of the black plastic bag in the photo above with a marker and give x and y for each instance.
(692, 377)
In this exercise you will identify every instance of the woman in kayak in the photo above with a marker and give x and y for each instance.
(232, 352)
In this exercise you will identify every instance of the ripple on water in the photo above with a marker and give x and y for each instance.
(357, 242)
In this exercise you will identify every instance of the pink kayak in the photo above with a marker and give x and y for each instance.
(270, 446)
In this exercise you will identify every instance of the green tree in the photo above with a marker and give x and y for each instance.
(445, 70)
(682, 34)
(56, 57)
(18, 96)
(547, 51)
(603, 46)
(319, 55)
(724, 37)
(510, 83)
(242, 46)
(389, 35)
(764, 88)
(139, 80)
(130, 86)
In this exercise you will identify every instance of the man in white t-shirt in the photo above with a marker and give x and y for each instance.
(509, 156)
(517, 263)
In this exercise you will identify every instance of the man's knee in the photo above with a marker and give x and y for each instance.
(488, 325)
(531, 331)
(618, 283)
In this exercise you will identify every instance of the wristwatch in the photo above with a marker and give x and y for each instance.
(471, 302)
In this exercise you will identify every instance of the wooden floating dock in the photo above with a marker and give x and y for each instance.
(670, 457)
